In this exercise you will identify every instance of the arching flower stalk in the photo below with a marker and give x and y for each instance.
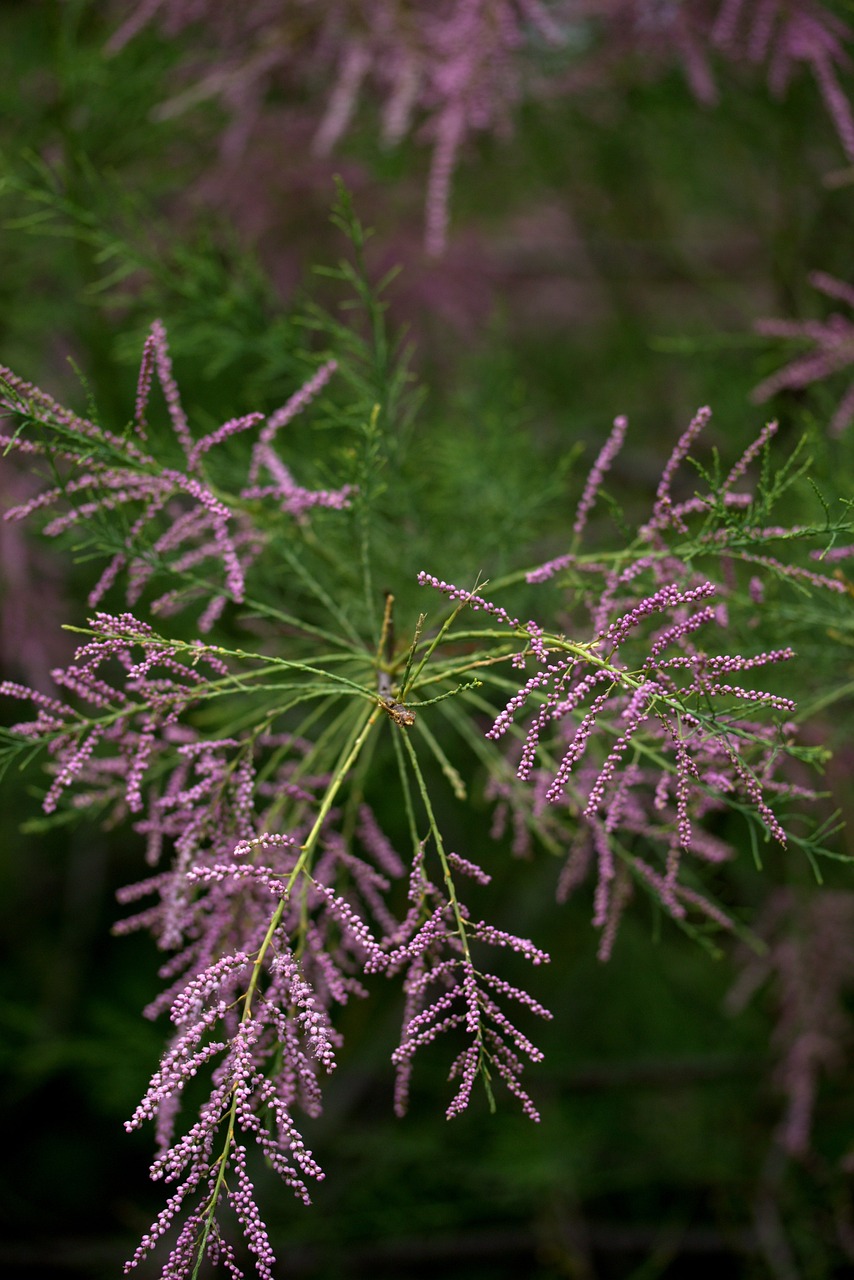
(175, 519)
(639, 725)
(274, 906)
(276, 834)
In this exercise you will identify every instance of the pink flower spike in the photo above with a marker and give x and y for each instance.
(449, 135)
(170, 388)
(298, 401)
(230, 428)
(601, 466)
(683, 446)
(752, 451)
(146, 370)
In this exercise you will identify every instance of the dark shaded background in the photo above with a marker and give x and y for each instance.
(611, 256)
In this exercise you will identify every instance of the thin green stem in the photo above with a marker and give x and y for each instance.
(349, 756)
(459, 918)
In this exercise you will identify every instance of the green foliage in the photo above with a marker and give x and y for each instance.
(658, 1104)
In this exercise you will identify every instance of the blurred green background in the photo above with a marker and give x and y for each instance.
(609, 257)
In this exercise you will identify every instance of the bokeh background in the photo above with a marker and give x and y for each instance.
(613, 239)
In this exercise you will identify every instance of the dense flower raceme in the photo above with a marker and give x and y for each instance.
(642, 732)
(831, 349)
(272, 917)
(271, 886)
(123, 479)
(445, 990)
(447, 71)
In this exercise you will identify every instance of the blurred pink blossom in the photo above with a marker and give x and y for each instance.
(831, 350)
(809, 966)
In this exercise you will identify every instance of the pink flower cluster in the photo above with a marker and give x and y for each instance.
(245, 1099)
(109, 744)
(200, 525)
(263, 943)
(830, 350)
(447, 70)
(446, 992)
(640, 730)
(784, 35)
